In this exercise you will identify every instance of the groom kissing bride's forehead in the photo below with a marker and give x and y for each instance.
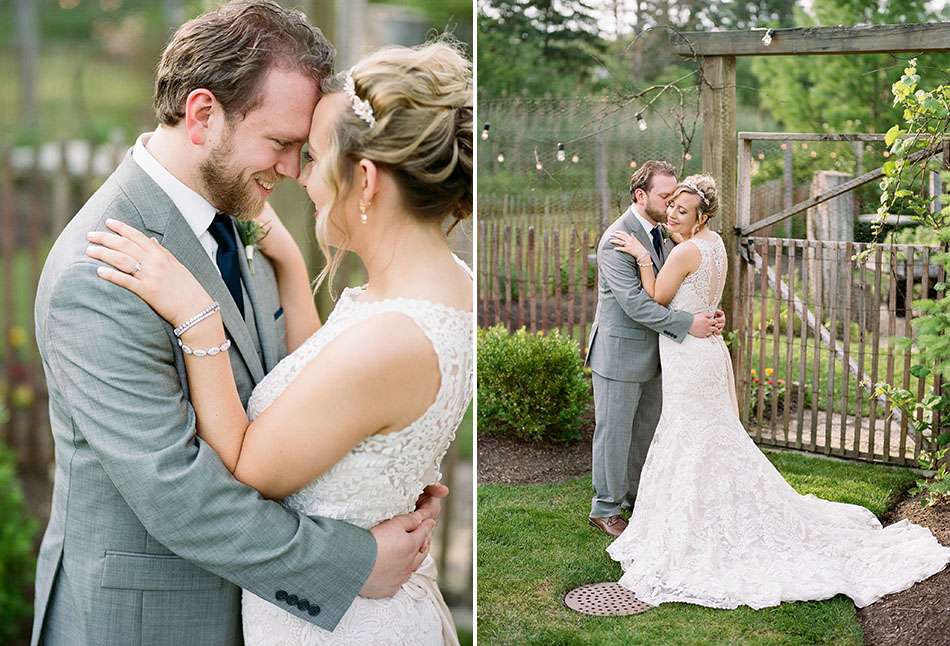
(176, 480)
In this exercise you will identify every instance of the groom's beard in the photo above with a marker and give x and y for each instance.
(658, 216)
(229, 191)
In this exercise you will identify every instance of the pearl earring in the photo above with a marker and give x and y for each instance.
(363, 217)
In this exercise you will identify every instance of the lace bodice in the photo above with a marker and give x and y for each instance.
(379, 478)
(701, 290)
(384, 474)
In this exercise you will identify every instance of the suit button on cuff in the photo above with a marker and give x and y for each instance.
(292, 599)
(281, 595)
(313, 611)
(303, 604)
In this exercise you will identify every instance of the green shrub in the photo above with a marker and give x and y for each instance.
(16, 550)
(531, 386)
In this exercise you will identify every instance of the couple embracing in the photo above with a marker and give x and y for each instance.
(228, 466)
(712, 521)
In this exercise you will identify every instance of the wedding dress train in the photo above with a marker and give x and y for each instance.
(715, 524)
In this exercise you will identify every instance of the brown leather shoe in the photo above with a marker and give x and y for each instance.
(611, 525)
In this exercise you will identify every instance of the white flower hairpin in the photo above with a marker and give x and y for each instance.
(361, 108)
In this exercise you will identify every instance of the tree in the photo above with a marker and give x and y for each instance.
(841, 93)
(532, 48)
(924, 123)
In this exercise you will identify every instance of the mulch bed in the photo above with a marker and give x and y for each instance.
(507, 460)
(918, 616)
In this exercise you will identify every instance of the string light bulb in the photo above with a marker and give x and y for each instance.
(501, 158)
(687, 156)
(538, 165)
(641, 122)
(767, 38)
(561, 155)
(575, 158)
(633, 164)
(485, 131)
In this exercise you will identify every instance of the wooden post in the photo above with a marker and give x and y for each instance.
(600, 170)
(718, 96)
(788, 178)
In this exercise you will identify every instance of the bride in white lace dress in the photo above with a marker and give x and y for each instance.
(714, 523)
(354, 423)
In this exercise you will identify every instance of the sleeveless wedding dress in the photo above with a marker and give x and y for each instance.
(715, 524)
(379, 478)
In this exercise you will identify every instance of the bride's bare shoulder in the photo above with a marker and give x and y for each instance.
(686, 254)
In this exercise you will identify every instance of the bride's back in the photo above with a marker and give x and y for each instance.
(701, 290)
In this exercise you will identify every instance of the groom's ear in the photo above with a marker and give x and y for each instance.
(198, 109)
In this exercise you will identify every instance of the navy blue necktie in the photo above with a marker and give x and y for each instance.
(657, 242)
(228, 257)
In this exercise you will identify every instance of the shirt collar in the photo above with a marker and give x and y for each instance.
(195, 209)
(646, 224)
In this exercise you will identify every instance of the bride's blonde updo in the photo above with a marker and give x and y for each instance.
(421, 99)
(704, 187)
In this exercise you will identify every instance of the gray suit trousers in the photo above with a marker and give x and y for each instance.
(621, 449)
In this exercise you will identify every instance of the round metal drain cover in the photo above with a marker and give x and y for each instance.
(604, 600)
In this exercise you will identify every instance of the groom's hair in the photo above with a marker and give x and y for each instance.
(229, 50)
(643, 178)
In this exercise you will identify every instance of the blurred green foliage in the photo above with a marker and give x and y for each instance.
(97, 60)
(17, 531)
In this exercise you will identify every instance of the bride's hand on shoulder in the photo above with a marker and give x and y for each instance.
(628, 244)
(277, 242)
(144, 267)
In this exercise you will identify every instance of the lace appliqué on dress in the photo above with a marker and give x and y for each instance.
(380, 478)
(715, 524)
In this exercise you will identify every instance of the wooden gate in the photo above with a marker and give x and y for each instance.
(817, 323)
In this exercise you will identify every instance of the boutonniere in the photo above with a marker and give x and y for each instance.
(664, 234)
(251, 233)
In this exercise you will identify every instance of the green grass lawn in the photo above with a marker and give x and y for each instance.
(534, 545)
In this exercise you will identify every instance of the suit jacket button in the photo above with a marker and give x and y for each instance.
(292, 599)
(303, 604)
(281, 595)
(313, 611)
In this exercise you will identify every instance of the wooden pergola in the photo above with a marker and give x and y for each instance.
(717, 52)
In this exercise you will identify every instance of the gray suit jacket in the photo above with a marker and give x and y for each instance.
(150, 533)
(623, 339)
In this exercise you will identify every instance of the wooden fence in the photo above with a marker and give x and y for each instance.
(816, 328)
(40, 190)
(815, 323)
(541, 279)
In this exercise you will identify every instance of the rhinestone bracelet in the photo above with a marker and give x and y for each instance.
(197, 318)
(210, 352)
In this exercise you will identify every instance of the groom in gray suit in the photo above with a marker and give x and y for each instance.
(150, 538)
(623, 351)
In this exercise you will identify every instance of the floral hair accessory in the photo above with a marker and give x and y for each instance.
(695, 189)
(361, 107)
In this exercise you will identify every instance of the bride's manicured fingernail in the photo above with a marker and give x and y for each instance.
(103, 271)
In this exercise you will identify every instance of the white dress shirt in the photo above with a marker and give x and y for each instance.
(195, 209)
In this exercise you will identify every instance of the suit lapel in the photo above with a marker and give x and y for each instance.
(160, 216)
(264, 319)
(635, 228)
